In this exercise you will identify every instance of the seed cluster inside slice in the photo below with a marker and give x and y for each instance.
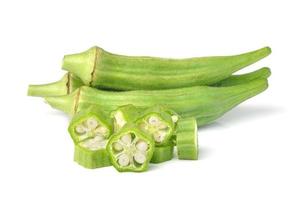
(156, 127)
(92, 134)
(130, 150)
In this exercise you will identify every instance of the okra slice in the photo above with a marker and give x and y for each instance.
(91, 158)
(124, 114)
(91, 128)
(130, 149)
(162, 153)
(187, 139)
(159, 123)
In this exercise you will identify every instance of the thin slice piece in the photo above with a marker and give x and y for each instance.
(187, 139)
(162, 153)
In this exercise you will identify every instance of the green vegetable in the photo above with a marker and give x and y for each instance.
(162, 153)
(202, 102)
(262, 73)
(99, 68)
(187, 139)
(130, 149)
(66, 85)
(91, 158)
(158, 123)
(124, 114)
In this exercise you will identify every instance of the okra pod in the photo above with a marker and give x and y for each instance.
(66, 85)
(202, 102)
(187, 139)
(262, 73)
(99, 68)
(130, 149)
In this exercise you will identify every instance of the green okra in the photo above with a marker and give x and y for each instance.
(66, 85)
(130, 149)
(91, 128)
(99, 68)
(91, 158)
(262, 73)
(158, 122)
(187, 139)
(124, 114)
(205, 103)
(162, 153)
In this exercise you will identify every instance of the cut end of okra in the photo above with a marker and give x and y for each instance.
(90, 130)
(130, 150)
(91, 158)
(187, 139)
(123, 115)
(82, 64)
(157, 126)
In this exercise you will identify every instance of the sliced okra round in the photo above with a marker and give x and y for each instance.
(159, 123)
(123, 115)
(162, 153)
(187, 139)
(91, 128)
(91, 158)
(130, 149)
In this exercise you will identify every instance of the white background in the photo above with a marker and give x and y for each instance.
(252, 152)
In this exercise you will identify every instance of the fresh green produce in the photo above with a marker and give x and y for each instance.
(262, 73)
(99, 68)
(91, 158)
(66, 85)
(90, 130)
(130, 149)
(124, 114)
(157, 121)
(187, 139)
(162, 153)
(202, 102)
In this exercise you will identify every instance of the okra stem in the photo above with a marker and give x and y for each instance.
(99, 68)
(66, 85)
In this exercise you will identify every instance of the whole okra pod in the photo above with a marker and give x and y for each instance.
(202, 102)
(99, 68)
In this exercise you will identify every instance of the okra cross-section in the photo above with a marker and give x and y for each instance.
(130, 149)
(159, 123)
(91, 128)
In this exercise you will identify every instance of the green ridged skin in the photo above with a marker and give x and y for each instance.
(66, 85)
(262, 73)
(91, 159)
(99, 68)
(133, 130)
(187, 139)
(202, 102)
(162, 153)
(125, 114)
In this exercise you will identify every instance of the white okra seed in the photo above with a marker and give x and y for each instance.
(117, 146)
(91, 123)
(174, 118)
(141, 145)
(80, 129)
(123, 160)
(101, 130)
(159, 136)
(139, 157)
(153, 120)
(126, 139)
